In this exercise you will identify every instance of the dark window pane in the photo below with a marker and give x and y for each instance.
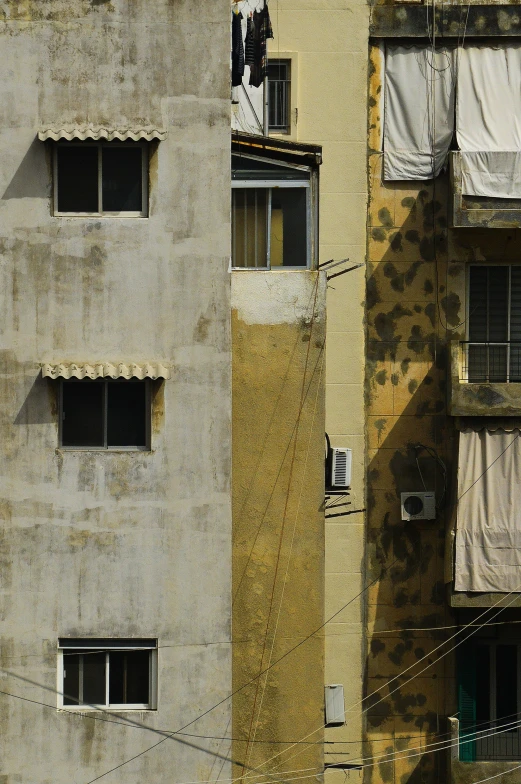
(498, 303)
(121, 179)
(71, 679)
(138, 666)
(278, 96)
(94, 679)
(478, 304)
(129, 678)
(77, 178)
(288, 227)
(506, 683)
(126, 413)
(483, 682)
(82, 413)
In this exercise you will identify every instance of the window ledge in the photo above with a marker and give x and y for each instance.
(103, 450)
(487, 399)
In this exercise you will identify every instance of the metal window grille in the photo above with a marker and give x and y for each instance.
(279, 87)
(493, 352)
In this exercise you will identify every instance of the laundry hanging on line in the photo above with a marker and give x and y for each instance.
(258, 30)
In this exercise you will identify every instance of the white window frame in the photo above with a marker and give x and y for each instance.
(143, 213)
(152, 675)
(105, 448)
(270, 185)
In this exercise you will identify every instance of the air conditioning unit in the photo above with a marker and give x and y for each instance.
(334, 704)
(338, 468)
(418, 506)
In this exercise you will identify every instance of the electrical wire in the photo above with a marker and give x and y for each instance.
(301, 408)
(441, 644)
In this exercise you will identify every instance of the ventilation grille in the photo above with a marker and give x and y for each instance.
(341, 467)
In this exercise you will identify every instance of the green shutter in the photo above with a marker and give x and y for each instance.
(467, 702)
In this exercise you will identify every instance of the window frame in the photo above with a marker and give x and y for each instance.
(143, 213)
(292, 59)
(489, 343)
(311, 216)
(285, 128)
(105, 381)
(63, 647)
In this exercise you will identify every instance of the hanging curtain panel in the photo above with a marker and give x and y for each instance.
(419, 111)
(488, 528)
(488, 119)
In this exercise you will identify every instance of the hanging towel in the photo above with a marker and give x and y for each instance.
(237, 50)
(261, 32)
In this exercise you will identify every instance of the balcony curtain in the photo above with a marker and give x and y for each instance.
(488, 119)
(488, 529)
(419, 111)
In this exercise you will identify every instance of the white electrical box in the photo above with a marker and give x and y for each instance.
(335, 708)
(418, 506)
(340, 460)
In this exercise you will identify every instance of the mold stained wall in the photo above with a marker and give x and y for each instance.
(116, 544)
(415, 302)
(278, 332)
(330, 38)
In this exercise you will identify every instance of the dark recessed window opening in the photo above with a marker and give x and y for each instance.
(109, 677)
(279, 86)
(105, 414)
(97, 179)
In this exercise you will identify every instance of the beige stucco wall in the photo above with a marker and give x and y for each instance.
(330, 39)
(278, 334)
(115, 544)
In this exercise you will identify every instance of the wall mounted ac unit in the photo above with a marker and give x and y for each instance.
(334, 704)
(338, 468)
(418, 506)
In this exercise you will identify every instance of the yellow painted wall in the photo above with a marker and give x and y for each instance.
(330, 38)
(278, 335)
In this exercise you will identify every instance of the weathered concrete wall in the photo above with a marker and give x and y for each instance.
(278, 329)
(115, 544)
(329, 38)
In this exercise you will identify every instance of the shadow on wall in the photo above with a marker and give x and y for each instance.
(406, 403)
(31, 179)
(39, 405)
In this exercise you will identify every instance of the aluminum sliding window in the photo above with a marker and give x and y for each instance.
(494, 324)
(107, 673)
(101, 178)
(271, 224)
(105, 414)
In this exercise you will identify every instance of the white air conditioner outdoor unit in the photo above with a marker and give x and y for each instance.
(335, 708)
(418, 506)
(338, 468)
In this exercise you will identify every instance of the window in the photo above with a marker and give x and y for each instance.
(107, 673)
(279, 96)
(494, 319)
(105, 414)
(93, 178)
(271, 215)
(489, 686)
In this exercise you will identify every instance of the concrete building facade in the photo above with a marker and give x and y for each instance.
(116, 543)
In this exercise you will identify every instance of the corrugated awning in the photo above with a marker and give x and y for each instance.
(81, 133)
(105, 370)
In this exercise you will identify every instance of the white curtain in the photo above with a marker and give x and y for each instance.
(488, 527)
(419, 111)
(488, 119)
